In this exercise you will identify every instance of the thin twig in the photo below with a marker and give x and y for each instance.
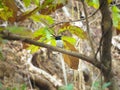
(75, 20)
(87, 26)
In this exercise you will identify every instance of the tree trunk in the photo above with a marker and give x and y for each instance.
(106, 60)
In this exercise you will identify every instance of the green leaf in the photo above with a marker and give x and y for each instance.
(1, 85)
(105, 85)
(19, 30)
(69, 39)
(8, 88)
(67, 87)
(70, 87)
(5, 13)
(27, 2)
(15, 88)
(93, 3)
(96, 84)
(74, 30)
(24, 87)
(48, 34)
(33, 48)
(39, 32)
(115, 16)
(115, 9)
(45, 19)
(53, 42)
(43, 33)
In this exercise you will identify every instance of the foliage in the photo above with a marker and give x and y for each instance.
(19, 30)
(115, 11)
(93, 3)
(97, 85)
(74, 30)
(21, 87)
(1, 55)
(27, 2)
(41, 14)
(116, 16)
(5, 13)
(1, 85)
(67, 87)
(43, 18)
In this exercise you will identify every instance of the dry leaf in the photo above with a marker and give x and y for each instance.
(12, 7)
(72, 62)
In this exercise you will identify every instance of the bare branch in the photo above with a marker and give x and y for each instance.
(75, 20)
(9, 36)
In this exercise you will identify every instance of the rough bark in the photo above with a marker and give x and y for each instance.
(106, 60)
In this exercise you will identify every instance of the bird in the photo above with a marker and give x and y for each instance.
(59, 42)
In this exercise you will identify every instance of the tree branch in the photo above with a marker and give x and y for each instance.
(70, 21)
(9, 36)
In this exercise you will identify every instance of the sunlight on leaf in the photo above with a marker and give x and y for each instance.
(1, 9)
(33, 48)
(116, 16)
(69, 39)
(44, 32)
(93, 3)
(52, 42)
(115, 9)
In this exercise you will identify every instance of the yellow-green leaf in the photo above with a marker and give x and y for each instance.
(74, 30)
(45, 19)
(93, 3)
(5, 14)
(115, 16)
(27, 2)
(33, 48)
(69, 39)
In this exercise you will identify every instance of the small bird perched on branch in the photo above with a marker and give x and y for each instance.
(59, 42)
